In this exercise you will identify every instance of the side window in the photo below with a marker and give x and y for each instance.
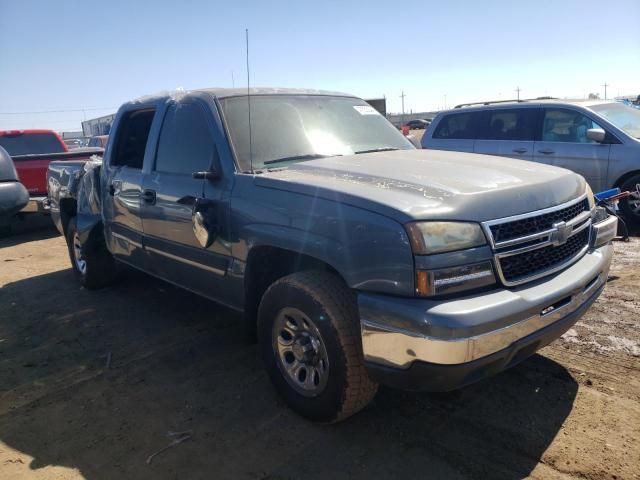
(186, 143)
(560, 125)
(456, 126)
(133, 134)
(509, 124)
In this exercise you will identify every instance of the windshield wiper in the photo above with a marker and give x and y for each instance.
(373, 150)
(310, 156)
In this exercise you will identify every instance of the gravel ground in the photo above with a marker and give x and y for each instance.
(91, 384)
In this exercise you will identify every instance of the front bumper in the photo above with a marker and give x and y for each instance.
(477, 335)
(36, 205)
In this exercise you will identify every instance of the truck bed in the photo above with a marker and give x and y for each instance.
(32, 169)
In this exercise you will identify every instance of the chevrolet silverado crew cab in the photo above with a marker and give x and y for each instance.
(355, 258)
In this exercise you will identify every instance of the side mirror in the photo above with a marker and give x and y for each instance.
(205, 221)
(414, 141)
(596, 134)
(211, 174)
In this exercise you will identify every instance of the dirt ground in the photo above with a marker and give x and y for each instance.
(91, 384)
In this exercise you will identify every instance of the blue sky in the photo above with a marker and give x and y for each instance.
(74, 55)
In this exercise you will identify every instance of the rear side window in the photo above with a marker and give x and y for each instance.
(31, 143)
(133, 134)
(186, 144)
(456, 126)
(562, 125)
(509, 124)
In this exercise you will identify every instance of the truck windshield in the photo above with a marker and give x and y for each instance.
(287, 129)
(24, 143)
(622, 116)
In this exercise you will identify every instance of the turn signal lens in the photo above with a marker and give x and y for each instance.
(422, 284)
(455, 279)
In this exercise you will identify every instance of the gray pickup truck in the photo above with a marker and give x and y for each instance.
(355, 258)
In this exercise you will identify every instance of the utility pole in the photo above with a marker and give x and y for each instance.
(445, 101)
(605, 89)
(402, 97)
(518, 92)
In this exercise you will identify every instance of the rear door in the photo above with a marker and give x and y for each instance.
(507, 132)
(564, 143)
(455, 131)
(123, 181)
(186, 145)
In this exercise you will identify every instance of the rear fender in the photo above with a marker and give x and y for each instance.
(89, 201)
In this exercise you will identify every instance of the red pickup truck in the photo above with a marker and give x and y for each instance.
(32, 151)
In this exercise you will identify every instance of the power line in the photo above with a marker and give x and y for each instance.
(59, 111)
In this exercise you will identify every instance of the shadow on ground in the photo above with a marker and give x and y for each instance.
(29, 228)
(96, 380)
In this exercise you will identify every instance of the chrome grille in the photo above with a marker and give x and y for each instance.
(530, 225)
(536, 244)
(526, 264)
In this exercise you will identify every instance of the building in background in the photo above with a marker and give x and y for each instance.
(98, 126)
(70, 135)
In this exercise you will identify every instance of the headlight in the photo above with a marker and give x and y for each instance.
(591, 198)
(437, 237)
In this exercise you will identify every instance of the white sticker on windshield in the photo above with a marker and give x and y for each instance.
(365, 110)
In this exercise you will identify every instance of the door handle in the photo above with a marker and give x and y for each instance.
(520, 150)
(546, 151)
(149, 196)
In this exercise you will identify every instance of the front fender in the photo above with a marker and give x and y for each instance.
(363, 263)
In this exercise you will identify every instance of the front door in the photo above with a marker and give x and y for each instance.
(123, 223)
(186, 145)
(564, 143)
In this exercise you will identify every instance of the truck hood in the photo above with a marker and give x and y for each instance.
(431, 184)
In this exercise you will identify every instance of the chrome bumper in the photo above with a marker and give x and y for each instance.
(36, 205)
(464, 326)
(603, 232)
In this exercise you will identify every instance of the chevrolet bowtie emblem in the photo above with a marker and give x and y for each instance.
(561, 233)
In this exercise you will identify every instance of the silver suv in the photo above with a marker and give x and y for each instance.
(598, 139)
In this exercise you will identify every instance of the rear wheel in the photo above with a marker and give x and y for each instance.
(309, 335)
(92, 264)
(630, 207)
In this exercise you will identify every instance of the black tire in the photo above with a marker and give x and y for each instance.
(626, 206)
(325, 298)
(100, 267)
(5, 231)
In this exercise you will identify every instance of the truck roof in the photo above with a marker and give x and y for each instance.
(26, 131)
(237, 92)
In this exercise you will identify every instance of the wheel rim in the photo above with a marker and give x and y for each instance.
(78, 257)
(300, 352)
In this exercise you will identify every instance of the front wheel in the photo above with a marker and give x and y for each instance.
(309, 335)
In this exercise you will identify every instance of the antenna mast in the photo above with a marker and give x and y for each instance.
(246, 31)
